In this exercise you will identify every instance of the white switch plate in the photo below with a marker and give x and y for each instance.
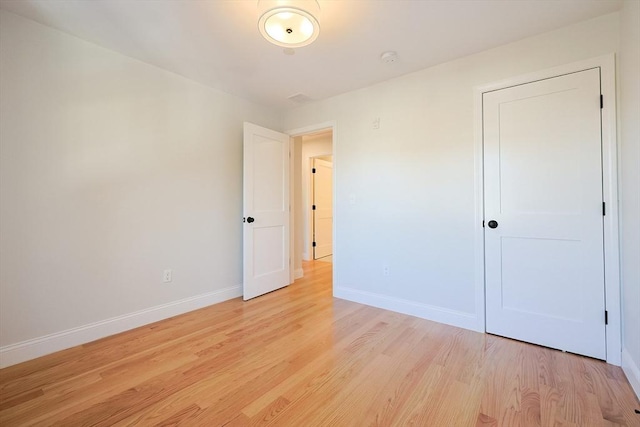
(166, 278)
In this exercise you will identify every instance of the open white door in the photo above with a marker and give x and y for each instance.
(266, 211)
(544, 213)
(322, 173)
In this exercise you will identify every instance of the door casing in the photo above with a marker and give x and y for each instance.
(606, 64)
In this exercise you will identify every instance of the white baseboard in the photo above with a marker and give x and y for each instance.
(632, 371)
(425, 311)
(298, 274)
(30, 349)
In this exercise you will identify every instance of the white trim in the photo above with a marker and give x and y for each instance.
(30, 349)
(312, 128)
(478, 229)
(412, 308)
(298, 274)
(610, 195)
(606, 64)
(292, 212)
(632, 371)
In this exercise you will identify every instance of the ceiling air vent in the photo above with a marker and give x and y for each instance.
(300, 98)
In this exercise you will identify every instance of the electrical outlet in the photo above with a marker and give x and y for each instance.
(376, 123)
(166, 278)
(385, 270)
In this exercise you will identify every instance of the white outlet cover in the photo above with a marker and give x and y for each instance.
(167, 276)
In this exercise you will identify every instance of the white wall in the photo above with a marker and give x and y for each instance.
(112, 170)
(405, 192)
(629, 87)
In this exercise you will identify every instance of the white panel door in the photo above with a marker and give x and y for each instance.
(266, 211)
(543, 188)
(323, 212)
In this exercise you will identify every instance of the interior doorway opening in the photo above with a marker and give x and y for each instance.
(315, 146)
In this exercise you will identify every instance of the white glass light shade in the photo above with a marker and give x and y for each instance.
(289, 26)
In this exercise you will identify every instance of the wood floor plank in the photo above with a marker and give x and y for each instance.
(299, 357)
(405, 383)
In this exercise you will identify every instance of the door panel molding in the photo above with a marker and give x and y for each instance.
(606, 64)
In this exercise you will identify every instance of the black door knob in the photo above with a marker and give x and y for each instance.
(493, 224)
(250, 220)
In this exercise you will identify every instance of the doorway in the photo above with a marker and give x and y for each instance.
(308, 144)
(276, 195)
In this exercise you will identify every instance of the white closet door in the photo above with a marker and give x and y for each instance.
(543, 193)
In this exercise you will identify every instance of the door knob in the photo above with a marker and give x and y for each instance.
(493, 224)
(250, 220)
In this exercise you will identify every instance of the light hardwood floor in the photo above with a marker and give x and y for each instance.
(298, 357)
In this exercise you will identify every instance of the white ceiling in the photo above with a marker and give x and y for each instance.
(217, 42)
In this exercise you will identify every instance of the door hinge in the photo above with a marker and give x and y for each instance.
(604, 208)
(313, 207)
(606, 317)
(482, 223)
(313, 170)
(313, 244)
(601, 101)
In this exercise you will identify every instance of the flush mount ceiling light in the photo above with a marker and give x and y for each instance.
(289, 23)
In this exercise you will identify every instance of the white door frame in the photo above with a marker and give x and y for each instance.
(330, 125)
(606, 64)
